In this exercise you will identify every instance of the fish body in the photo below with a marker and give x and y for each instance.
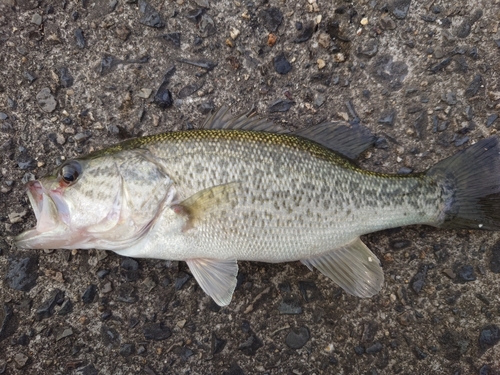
(236, 191)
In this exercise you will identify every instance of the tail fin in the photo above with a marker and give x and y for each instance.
(470, 183)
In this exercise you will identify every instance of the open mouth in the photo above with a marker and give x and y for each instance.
(51, 214)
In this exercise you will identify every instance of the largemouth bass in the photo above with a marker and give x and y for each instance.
(242, 189)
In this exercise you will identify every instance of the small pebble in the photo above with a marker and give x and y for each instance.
(281, 64)
(80, 39)
(156, 331)
(46, 100)
(321, 63)
(297, 337)
(36, 19)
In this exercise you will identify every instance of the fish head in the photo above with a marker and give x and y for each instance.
(105, 202)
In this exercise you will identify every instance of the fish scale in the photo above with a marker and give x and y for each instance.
(243, 189)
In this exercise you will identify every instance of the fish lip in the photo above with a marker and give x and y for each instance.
(52, 215)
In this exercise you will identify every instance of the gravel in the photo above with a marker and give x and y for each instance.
(80, 75)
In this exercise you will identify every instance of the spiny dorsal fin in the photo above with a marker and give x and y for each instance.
(353, 267)
(223, 119)
(337, 136)
(206, 201)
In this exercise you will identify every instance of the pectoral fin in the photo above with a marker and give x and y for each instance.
(353, 267)
(216, 198)
(217, 278)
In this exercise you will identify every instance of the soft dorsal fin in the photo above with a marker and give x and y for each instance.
(353, 267)
(223, 119)
(337, 136)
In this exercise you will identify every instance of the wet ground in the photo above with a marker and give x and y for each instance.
(76, 76)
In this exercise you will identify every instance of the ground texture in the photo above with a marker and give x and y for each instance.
(75, 76)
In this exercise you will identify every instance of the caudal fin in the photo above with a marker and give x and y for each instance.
(470, 183)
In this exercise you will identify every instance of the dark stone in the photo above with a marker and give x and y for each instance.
(297, 337)
(461, 64)
(182, 278)
(30, 77)
(65, 77)
(309, 291)
(189, 90)
(245, 326)
(250, 346)
(163, 97)
(369, 49)
(417, 282)
(183, 352)
(87, 370)
(110, 336)
(150, 16)
(419, 353)
(495, 258)
(281, 64)
(375, 348)
(234, 370)
(156, 331)
(271, 18)
(428, 18)
(22, 273)
(46, 309)
(489, 336)
(208, 65)
(450, 98)
(217, 344)
(130, 269)
(66, 307)
(461, 141)
(194, 15)
(280, 105)
(474, 86)
(464, 274)
(400, 8)
(421, 123)
(80, 39)
(399, 244)
(102, 274)
(126, 350)
(8, 322)
(405, 170)
(306, 33)
(3, 116)
(484, 370)
(89, 294)
(370, 329)
(290, 305)
(26, 162)
(127, 293)
(391, 73)
(441, 65)
(359, 350)
(388, 118)
(491, 119)
(206, 107)
(464, 29)
(175, 38)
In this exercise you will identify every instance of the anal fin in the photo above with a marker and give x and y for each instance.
(353, 267)
(216, 277)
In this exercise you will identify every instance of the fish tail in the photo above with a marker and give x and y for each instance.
(470, 187)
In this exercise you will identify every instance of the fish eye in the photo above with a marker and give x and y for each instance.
(70, 172)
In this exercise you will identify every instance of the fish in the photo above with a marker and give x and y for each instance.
(241, 188)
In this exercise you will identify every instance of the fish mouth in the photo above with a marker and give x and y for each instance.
(52, 215)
